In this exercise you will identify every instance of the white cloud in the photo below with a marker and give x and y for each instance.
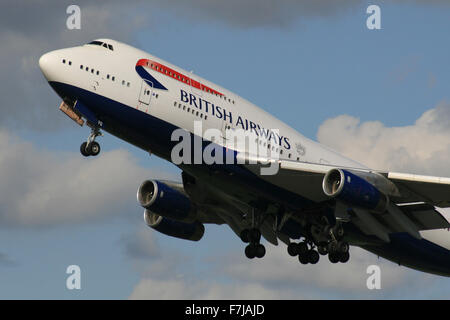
(422, 148)
(200, 289)
(42, 188)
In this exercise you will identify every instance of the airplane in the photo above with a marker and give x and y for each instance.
(316, 201)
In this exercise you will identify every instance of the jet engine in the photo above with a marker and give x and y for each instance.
(188, 231)
(355, 189)
(166, 201)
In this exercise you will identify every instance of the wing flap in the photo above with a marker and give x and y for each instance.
(425, 216)
(418, 188)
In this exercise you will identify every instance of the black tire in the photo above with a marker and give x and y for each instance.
(343, 247)
(93, 148)
(313, 256)
(255, 235)
(83, 149)
(303, 258)
(302, 248)
(260, 251)
(292, 249)
(250, 251)
(344, 257)
(334, 258)
(245, 237)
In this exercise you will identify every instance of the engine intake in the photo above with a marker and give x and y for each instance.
(182, 230)
(166, 201)
(354, 190)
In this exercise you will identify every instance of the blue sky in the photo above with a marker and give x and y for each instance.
(305, 67)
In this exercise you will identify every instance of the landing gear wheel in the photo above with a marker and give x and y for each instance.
(313, 256)
(303, 258)
(333, 257)
(83, 149)
(344, 257)
(250, 251)
(343, 247)
(293, 249)
(93, 148)
(302, 248)
(245, 236)
(260, 251)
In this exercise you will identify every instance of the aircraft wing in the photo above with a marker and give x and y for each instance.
(415, 196)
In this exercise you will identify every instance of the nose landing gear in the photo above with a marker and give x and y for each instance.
(91, 147)
(254, 248)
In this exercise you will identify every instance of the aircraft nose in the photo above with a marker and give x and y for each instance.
(44, 64)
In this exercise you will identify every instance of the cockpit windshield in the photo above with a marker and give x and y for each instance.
(102, 44)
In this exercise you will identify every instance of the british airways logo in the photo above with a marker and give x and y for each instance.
(151, 81)
(236, 120)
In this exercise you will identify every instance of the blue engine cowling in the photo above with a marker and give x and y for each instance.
(188, 231)
(166, 201)
(353, 190)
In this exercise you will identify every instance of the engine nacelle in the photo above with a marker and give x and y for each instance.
(165, 201)
(188, 231)
(354, 189)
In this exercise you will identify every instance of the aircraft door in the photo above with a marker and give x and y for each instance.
(146, 92)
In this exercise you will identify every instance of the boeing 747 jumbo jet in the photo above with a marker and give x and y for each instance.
(245, 168)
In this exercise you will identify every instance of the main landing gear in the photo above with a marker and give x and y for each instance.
(91, 147)
(336, 249)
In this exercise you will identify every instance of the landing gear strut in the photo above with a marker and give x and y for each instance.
(252, 236)
(91, 147)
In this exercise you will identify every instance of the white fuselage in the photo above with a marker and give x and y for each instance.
(120, 64)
